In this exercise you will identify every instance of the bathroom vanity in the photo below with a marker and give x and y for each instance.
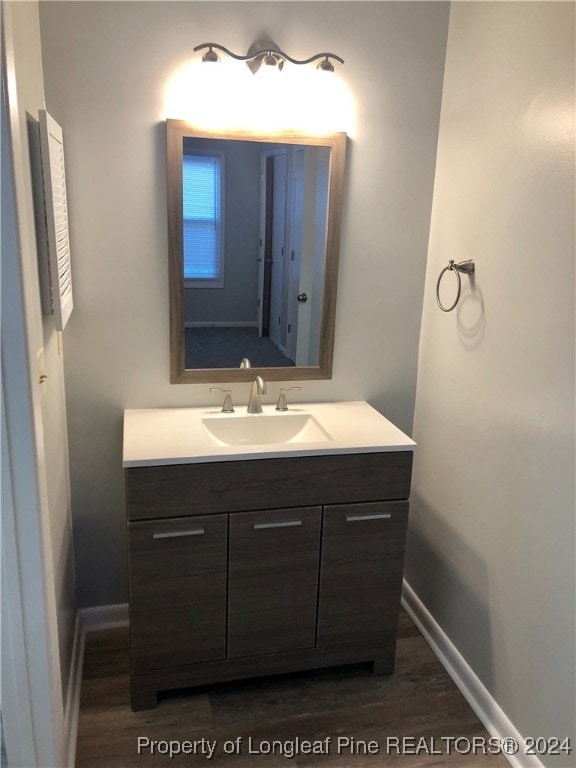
(262, 544)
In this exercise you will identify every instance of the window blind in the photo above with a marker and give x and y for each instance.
(201, 216)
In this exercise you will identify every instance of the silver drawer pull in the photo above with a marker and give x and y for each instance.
(178, 534)
(354, 518)
(286, 524)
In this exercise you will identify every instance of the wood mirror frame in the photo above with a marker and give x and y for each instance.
(177, 130)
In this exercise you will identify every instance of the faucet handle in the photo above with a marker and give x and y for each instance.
(282, 404)
(245, 363)
(227, 406)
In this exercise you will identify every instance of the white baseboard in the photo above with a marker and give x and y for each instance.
(221, 324)
(492, 716)
(104, 617)
(87, 620)
(72, 708)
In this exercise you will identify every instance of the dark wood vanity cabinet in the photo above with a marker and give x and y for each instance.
(220, 590)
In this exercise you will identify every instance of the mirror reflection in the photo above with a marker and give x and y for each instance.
(253, 232)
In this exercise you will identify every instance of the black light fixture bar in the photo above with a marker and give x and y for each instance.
(272, 51)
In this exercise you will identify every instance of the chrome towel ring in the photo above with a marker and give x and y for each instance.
(467, 267)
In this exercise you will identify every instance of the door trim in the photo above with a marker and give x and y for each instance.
(33, 720)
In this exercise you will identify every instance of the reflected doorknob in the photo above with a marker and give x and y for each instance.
(302, 298)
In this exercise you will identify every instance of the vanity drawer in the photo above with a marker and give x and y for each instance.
(361, 572)
(239, 486)
(178, 575)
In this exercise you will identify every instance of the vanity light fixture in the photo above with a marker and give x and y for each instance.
(267, 53)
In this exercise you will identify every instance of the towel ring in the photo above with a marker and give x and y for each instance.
(467, 267)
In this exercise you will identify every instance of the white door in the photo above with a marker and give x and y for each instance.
(315, 197)
(32, 703)
(261, 245)
(278, 237)
(295, 247)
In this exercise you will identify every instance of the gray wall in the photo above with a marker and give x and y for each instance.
(106, 66)
(491, 545)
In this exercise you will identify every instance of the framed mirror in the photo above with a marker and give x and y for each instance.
(254, 236)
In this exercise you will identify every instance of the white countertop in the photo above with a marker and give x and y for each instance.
(161, 436)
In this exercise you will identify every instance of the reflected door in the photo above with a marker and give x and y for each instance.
(295, 227)
(278, 237)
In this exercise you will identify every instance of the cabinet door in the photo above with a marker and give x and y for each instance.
(273, 580)
(361, 573)
(177, 591)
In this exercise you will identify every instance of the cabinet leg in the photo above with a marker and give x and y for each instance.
(143, 698)
(384, 665)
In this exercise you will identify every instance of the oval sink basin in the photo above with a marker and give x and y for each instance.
(265, 430)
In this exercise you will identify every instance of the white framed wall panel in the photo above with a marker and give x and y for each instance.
(56, 206)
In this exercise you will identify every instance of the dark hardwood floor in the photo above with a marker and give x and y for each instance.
(417, 710)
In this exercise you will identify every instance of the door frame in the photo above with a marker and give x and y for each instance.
(32, 700)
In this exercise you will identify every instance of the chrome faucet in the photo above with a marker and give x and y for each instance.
(258, 388)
